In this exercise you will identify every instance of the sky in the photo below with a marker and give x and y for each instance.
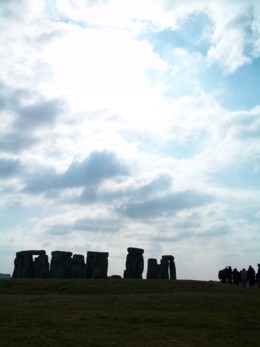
(131, 123)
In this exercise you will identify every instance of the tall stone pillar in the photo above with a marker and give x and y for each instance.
(97, 264)
(134, 263)
(78, 266)
(164, 272)
(152, 269)
(60, 264)
(41, 266)
(172, 269)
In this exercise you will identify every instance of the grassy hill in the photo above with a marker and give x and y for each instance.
(98, 313)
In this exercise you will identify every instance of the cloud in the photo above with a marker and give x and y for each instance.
(246, 125)
(15, 142)
(86, 225)
(8, 167)
(94, 169)
(26, 114)
(108, 194)
(165, 205)
(38, 114)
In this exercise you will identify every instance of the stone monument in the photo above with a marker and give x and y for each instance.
(60, 264)
(134, 263)
(97, 264)
(26, 267)
(165, 270)
(78, 266)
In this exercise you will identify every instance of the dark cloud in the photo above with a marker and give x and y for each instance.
(97, 167)
(159, 184)
(14, 141)
(165, 205)
(38, 114)
(8, 167)
(88, 225)
(28, 111)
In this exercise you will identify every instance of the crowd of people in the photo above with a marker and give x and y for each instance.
(244, 277)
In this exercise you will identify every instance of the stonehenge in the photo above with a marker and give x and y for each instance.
(134, 263)
(165, 270)
(78, 266)
(35, 264)
(60, 264)
(26, 267)
(97, 264)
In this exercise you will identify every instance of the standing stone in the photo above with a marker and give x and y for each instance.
(78, 266)
(18, 266)
(152, 269)
(134, 263)
(24, 265)
(172, 269)
(170, 265)
(60, 264)
(28, 266)
(41, 266)
(164, 273)
(97, 264)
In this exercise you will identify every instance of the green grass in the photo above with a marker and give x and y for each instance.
(98, 313)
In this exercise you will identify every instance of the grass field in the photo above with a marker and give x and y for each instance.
(98, 313)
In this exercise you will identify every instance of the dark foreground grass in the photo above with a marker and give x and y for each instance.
(98, 313)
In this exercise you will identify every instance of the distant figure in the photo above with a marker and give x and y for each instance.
(235, 275)
(244, 277)
(258, 275)
(251, 276)
(229, 274)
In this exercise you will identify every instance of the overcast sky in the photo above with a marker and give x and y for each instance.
(131, 123)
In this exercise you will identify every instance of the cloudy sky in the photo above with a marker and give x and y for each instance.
(131, 123)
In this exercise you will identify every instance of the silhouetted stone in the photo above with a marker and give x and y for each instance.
(60, 264)
(153, 269)
(24, 265)
(169, 260)
(164, 273)
(41, 266)
(116, 277)
(172, 269)
(134, 263)
(97, 264)
(78, 266)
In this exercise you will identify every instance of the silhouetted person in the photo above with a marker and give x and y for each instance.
(229, 274)
(244, 277)
(235, 275)
(258, 275)
(251, 276)
(221, 275)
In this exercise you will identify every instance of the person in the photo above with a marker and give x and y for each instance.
(244, 277)
(258, 275)
(251, 276)
(220, 275)
(235, 275)
(229, 274)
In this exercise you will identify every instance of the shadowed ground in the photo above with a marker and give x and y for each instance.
(143, 313)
